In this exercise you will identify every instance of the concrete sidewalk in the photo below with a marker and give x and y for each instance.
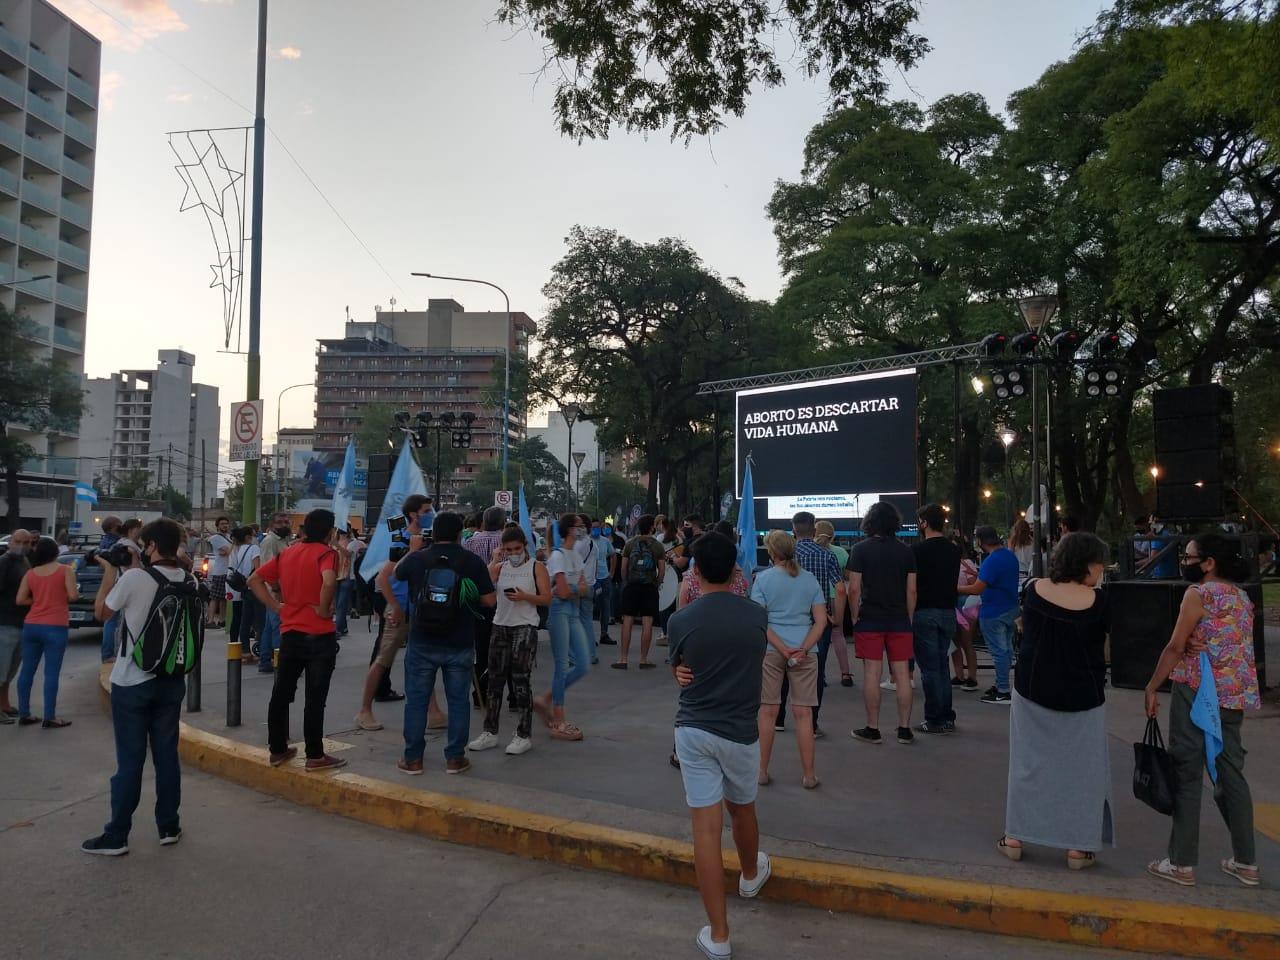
(934, 809)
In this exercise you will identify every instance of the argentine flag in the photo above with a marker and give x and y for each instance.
(1206, 716)
(86, 494)
(344, 489)
(406, 480)
(747, 525)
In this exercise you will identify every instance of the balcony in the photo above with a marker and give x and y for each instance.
(42, 152)
(33, 239)
(9, 229)
(69, 253)
(76, 213)
(73, 297)
(46, 111)
(65, 428)
(44, 65)
(33, 330)
(77, 172)
(81, 132)
(82, 91)
(12, 45)
(8, 183)
(13, 92)
(11, 137)
(41, 197)
(68, 339)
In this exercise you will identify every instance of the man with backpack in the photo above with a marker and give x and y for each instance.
(159, 640)
(307, 577)
(643, 567)
(450, 587)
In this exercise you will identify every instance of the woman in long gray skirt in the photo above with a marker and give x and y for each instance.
(1059, 774)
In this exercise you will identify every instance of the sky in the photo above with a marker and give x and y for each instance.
(427, 127)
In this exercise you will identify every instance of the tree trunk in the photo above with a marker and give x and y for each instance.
(1131, 502)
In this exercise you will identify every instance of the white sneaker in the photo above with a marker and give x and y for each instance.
(711, 949)
(519, 745)
(764, 870)
(888, 685)
(486, 741)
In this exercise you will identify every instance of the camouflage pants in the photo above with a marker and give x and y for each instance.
(512, 651)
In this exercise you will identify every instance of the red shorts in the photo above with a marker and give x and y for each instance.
(871, 645)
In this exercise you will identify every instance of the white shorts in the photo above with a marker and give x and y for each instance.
(715, 769)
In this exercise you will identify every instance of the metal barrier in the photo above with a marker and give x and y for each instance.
(234, 671)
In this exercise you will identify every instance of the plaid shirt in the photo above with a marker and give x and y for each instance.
(483, 544)
(821, 562)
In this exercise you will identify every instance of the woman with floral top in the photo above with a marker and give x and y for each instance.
(1216, 618)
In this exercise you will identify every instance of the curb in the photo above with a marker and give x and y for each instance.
(1077, 919)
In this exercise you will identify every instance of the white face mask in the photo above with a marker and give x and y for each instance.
(515, 559)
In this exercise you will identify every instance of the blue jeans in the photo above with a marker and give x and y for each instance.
(109, 647)
(421, 662)
(602, 596)
(934, 630)
(568, 639)
(269, 641)
(586, 606)
(346, 591)
(998, 634)
(146, 713)
(40, 640)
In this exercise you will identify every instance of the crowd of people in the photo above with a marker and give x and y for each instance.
(465, 599)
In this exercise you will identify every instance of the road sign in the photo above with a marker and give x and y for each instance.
(246, 430)
(579, 456)
(502, 498)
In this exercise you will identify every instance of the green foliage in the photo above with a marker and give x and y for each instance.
(543, 475)
(133, 485)
(376, 421)
(649, 64)
(614, 492)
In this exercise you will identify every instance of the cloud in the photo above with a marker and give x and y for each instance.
(290, 53)
(306, 109)
(141, 19)
(108, 84)
(179, 98)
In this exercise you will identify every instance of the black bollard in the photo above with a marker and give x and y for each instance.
(234, 653)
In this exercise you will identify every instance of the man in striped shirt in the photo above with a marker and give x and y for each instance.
(821, 562)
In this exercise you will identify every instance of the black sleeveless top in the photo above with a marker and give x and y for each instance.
(1062, 660)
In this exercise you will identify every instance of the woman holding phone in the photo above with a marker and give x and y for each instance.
(523, 586)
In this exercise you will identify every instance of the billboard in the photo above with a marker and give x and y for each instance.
(313, 474)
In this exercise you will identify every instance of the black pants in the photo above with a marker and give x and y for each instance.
(384, 683)
(312, 654)
(484, 630)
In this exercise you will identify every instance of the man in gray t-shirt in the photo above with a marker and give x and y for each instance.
(717, 647)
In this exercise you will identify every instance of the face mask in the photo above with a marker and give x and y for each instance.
(1157, 527)
(281, 532)
(608, 531)
(515, 559)
(595, 531)
(19, 549)
(1192, 573)
(579, 532)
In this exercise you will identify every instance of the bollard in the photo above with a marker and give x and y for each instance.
(234, 653)
(193, 689)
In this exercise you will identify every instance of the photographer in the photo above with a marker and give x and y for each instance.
(144, 707)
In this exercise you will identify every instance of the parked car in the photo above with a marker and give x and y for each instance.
(88, 579)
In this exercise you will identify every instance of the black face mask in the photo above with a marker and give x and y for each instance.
(281, 532)
(1192, 573)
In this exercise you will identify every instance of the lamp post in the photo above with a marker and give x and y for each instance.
(1008, 438)
(18, 283)
(279, 400)
(506, 374)
(570, 412)
(1036, 312)
(578, 457)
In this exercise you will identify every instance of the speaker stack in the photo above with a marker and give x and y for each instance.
(379, 474)
(1195, 450)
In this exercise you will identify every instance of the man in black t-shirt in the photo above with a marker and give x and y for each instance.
(934, 625)
(450, 651)
(13, 567)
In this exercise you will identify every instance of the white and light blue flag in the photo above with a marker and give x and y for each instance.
(406, 480)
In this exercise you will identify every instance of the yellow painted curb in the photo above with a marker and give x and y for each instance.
(1166, 929)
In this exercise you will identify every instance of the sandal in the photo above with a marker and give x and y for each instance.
(1183, 876)
(1082, 862)
(619, 665)
(55, 724)
(647, 664)
(1013, 853)
(764, 780)
(846, 679)
(809, 784)
(28, 721)
(564, 730)
(1246, 874)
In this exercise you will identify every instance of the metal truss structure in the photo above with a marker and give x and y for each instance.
(921, 358)
(215, 185)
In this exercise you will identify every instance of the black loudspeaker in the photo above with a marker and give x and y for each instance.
(379, 478)
(1195, 450)
(1143, 613)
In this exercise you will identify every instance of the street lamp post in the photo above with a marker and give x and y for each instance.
(578, 457)
(506, 374)
(1007, 437)
(1036, 313)
(570, 412)
(279, 400)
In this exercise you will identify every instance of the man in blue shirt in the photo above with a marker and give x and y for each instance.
(602, 587)
(997, 584)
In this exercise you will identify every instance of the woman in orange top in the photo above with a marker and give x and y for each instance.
(47, 588)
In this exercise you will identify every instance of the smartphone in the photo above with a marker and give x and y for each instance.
(397, 522)
(509, 591)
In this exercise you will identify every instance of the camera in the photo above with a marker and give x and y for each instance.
(397, 552)
(118, 555)
(399, 522)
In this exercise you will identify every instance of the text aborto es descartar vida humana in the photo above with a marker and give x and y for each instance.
(798, 421)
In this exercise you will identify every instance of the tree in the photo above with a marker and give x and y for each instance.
(134, 485)
(648, 64)
(543, 476)
(36, 393)
(376, 422)
(615, 491)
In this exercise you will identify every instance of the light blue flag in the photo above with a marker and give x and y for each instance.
(747, 525)
(1205, 715)
(86, 494)
(344, 489)
(525, 523)
(406, 480)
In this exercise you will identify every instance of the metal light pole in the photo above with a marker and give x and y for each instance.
(578, 457)
(570, 412)
(1007, 437)
(1036, 313)
(506, 376)
(249, 510)
(279, 398)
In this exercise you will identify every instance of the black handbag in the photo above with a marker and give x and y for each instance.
(236, 580)
(1154, 779)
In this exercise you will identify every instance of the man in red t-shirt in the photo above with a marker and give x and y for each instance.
(306, 575)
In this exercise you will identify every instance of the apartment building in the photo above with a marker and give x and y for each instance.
(444, 358)
(49, 70)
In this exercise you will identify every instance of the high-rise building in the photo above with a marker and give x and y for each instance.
(160, 422)
(48, 134)
(442, 359)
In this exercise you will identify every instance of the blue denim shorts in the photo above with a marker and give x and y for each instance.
(715, 769)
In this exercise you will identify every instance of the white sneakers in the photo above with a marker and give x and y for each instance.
(519, 745)
(486, 741)
(711, 949)
(764, 869)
